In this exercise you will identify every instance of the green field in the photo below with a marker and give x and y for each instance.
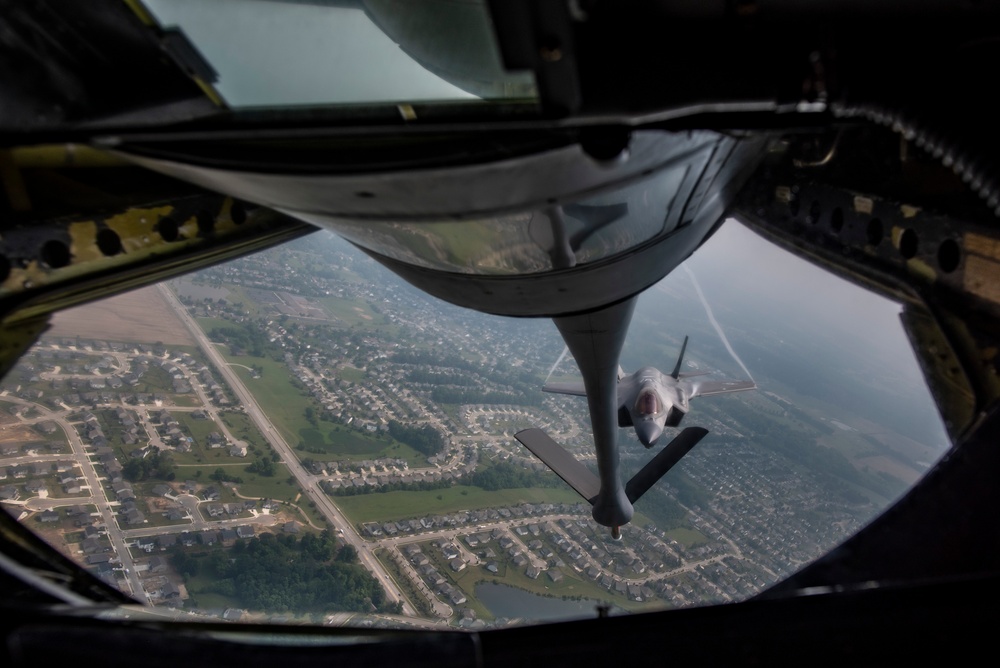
(208, 324)
(282, 401)
(198, 429)
(197, 587)
(346, 444)
(285, 403)
(349, 373)
(687, 537)
(237, 295)
(243, 428)
(348, 312)
(206, 459)
(305, 510)
(401, 505)
(185, 400)
(272, 487)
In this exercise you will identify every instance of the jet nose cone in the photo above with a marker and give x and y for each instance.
(648, 432)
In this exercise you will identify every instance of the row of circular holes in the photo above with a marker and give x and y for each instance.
(55, 254)
(949, 253)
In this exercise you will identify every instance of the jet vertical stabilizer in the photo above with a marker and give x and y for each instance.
(680, 360)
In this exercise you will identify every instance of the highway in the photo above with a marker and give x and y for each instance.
(309, 484)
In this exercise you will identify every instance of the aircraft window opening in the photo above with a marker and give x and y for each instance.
(908, 244)
(875, 232)
(168, 229)
(109, 242)
(238, 213)
(949, 255)
(55, 254)
(837, 220)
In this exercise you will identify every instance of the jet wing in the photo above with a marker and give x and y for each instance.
(565, 465)
(572, 387)
(704, 388)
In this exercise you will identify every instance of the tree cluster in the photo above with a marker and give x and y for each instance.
(263, 466)
(279, 573)
(420, 486)
(425, 439)
(158, 465)
(422, 376)
(220, 475)
(508, 476)
(253, 340)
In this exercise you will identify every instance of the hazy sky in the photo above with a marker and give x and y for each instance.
(766, 298)
(742, 264)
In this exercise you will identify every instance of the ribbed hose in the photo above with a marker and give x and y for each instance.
(971, 170)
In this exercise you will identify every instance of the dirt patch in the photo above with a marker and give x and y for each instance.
(159, 505)
(54, 537)
(887, 465)
(142, 316)
(19, 434)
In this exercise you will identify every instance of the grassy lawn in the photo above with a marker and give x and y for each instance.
(687, 537)
(400, 505)
(285, 405)
(198, 585)
(237, 295)
(198, 429)
(282, 401)
(351, 374)
(348, 312)
(155, 380)
(185, 400)
(243, 428)
(347, 444)
(206, 457)
(154, 507)
(306, 510)
(230, 465)
(273, 487)
(208, 324)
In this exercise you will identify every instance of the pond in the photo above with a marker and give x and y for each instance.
(504, 601)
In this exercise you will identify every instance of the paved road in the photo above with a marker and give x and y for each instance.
(313, 492)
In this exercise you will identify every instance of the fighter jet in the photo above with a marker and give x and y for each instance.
(649, 400)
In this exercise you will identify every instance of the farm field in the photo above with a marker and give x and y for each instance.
(141, 315)
(382, 507)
